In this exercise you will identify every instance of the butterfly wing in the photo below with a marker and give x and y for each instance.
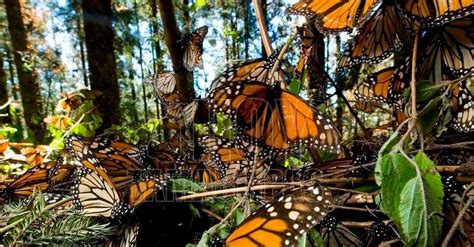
(448, 51)
(436, 12)
(144, 188)
(335, 16)
(235, 164)
(122, 161)
(284, 221)
(128, 237)
(192, 56)
(94, 192)
(163, 83)
(36, 177)
(336, 235)
(275, 118)
(377, 39)
(462, 107)
(258, 69)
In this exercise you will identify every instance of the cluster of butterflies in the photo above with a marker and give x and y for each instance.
(445, 50)
(110, 179)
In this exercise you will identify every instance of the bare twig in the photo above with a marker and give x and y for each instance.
(267, 43)
(457, 222)
(231, 191)
(413, 77)
(451, 146)
(357, 224)
(357, 209)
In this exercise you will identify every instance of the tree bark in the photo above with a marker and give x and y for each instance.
(99, 37)
(80, 36)
(172, 36)
(140, 54)
(27, 77)
(5, 115)
(158, 64)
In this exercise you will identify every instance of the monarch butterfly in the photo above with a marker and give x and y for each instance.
(386, 85)
(436, 12)
(450, 46)
(95, 194)
(462, 106)
(283, 221)
(272, 117)
(128, 236)
(163, 83)
(192, 55)
(398, 114)
(377, 39)
(122, 161)
(310, 61)
(258, 69)
(37, 177)
(453, 203)
(377, 233)
(335, 234)
(174, 105)
(308, 39)
(203, 171)
(335, 16)
(196, 112)
(366, 106)
(234, 163)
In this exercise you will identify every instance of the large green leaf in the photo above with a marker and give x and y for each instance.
(395, 172)
(386, 148)
(412, 199)
(422, 200)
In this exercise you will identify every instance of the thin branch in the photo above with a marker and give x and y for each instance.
(357, 224)
(457, 222)
(357, 209)
(231, 191)
(451, 146)
(267, 43)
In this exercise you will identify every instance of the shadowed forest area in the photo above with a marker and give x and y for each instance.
(236, 123)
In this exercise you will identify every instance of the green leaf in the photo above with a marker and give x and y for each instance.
(199, 4)
(194, 211)
(182, 185)
(295, 86)
(386, 148)
(302, 240)
(395, 171)
(429, 116)
(412, 199)
(426, 90)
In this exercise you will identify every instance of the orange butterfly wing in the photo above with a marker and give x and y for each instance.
(284, 221)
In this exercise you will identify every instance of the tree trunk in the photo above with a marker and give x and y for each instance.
(158, 64)
(172, 36)
(27, 77)
(4, 113)
(99, 37)
(80, 36)
(140, 61)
